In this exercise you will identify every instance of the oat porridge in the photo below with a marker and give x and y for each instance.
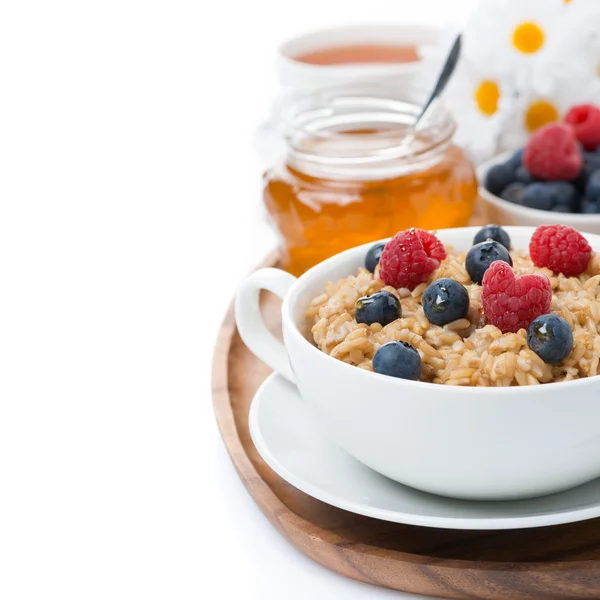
(523, 325)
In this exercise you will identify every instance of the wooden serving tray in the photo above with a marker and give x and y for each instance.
(547, 563)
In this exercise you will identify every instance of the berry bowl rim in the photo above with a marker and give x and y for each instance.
(575, 220)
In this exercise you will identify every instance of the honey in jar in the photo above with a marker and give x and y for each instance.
(353, 172)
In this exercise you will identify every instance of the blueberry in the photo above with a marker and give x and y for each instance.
(380, 307)
(498, 177)
(495, 233)
(592, 190)
(593, 159)
(481, 256)
(522, 175)
(444, 301)
(591, 164)
(565, 193)
(590, 208)
(538, 196)
(373, 256)
(516, 160)
(548, 194)
(398, 359)
(551, 338)
(513, 193)
(581, 180)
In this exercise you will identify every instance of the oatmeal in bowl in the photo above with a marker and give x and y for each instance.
(491, 316)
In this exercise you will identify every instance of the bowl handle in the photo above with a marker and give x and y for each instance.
(250, 324)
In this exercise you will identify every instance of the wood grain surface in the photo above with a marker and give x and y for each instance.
(546, 563)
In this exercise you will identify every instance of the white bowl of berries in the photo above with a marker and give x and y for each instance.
(554, 179)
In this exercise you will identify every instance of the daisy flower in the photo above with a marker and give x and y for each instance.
(520, 40)
(481, 106)
(480, 102)
(530, 110)
(583, 21)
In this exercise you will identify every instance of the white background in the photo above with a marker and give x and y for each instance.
(130, 211)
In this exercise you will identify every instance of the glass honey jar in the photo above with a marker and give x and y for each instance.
(351, 172)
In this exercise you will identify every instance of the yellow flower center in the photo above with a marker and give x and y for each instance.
(487, 96)
(540, 113)
(568, 1)
(528, 37)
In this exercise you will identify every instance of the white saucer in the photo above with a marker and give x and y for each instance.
(294, 445)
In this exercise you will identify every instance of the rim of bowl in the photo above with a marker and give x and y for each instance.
(571, 219)
(418, 385)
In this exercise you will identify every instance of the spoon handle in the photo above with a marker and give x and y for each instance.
(443, 78)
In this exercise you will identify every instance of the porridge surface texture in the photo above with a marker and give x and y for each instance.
(467, 351)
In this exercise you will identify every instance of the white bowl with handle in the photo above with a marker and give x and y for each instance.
(464, 442)
(503, 212)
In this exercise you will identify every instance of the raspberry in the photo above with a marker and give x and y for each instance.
(561, 249)
(512, 303)
(552, 153)
(585, 121)
(409, 258)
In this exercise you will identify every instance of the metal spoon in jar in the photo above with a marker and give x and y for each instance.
(443, 79)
